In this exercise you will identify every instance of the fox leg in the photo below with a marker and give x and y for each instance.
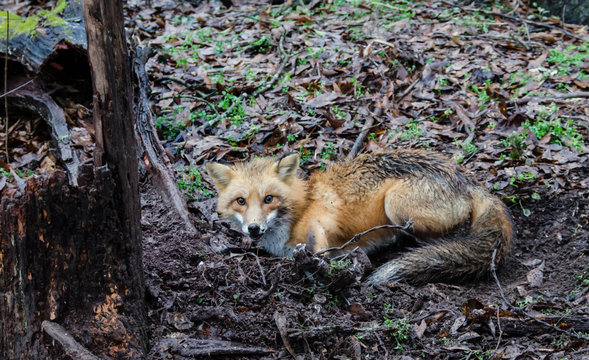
(315, 228)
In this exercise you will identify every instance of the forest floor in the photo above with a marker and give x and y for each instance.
(502, 90)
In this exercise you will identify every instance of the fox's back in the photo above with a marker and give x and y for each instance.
(366, 174)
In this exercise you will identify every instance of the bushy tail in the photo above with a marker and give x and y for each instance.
(456, 259)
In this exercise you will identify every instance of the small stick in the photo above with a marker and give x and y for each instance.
(360, 139)
(357, 237)
(573, 95)
(6, 90)
(259, 266)
(6, 93)
(69, 344)
(280, 321)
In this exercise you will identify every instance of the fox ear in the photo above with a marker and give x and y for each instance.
(221, 174)
(287, 167)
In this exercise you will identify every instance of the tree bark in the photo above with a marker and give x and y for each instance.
(569, 11)
(71, 253)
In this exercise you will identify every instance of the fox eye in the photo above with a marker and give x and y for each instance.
(240, 201)
(268, 199)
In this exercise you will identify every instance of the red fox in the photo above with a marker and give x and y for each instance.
(279, 210)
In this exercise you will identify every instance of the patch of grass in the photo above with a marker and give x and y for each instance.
(468, 149)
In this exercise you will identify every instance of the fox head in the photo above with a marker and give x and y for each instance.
(257, 194)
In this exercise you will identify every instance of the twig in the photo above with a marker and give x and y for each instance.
(6, 90)
(6, 93)
(357, 237)
(408, 90)
(431, 313)
(369, 46)
(521, 312)
(500, 331)
(280, 321)
(360, 139)
(70, 346)
(259, 266)
(573, 95)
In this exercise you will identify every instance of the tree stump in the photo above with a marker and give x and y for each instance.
(63, 258)
(70, 243)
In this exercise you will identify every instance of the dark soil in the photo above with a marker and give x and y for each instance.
(197, 293)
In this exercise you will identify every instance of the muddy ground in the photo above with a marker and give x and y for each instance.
(197, 293)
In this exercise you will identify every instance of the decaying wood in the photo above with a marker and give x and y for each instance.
(70, 243)
(71, 346)
(116, 147)
(36, 100)
(570, 325)
(205, 348)
(154, 157)
(58, 263)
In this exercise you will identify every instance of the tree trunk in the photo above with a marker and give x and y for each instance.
(71, 254)
(569, 11)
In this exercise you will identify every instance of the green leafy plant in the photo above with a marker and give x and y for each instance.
(190, 182)
(400, 329)
(571, 57)
(516, 143)
(411, 131)
(561, 133)
(236, 110)
(337, 265)
(262, 45)
(482, 95)
(29, 25)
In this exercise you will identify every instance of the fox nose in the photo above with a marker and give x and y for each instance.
(254, 230)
